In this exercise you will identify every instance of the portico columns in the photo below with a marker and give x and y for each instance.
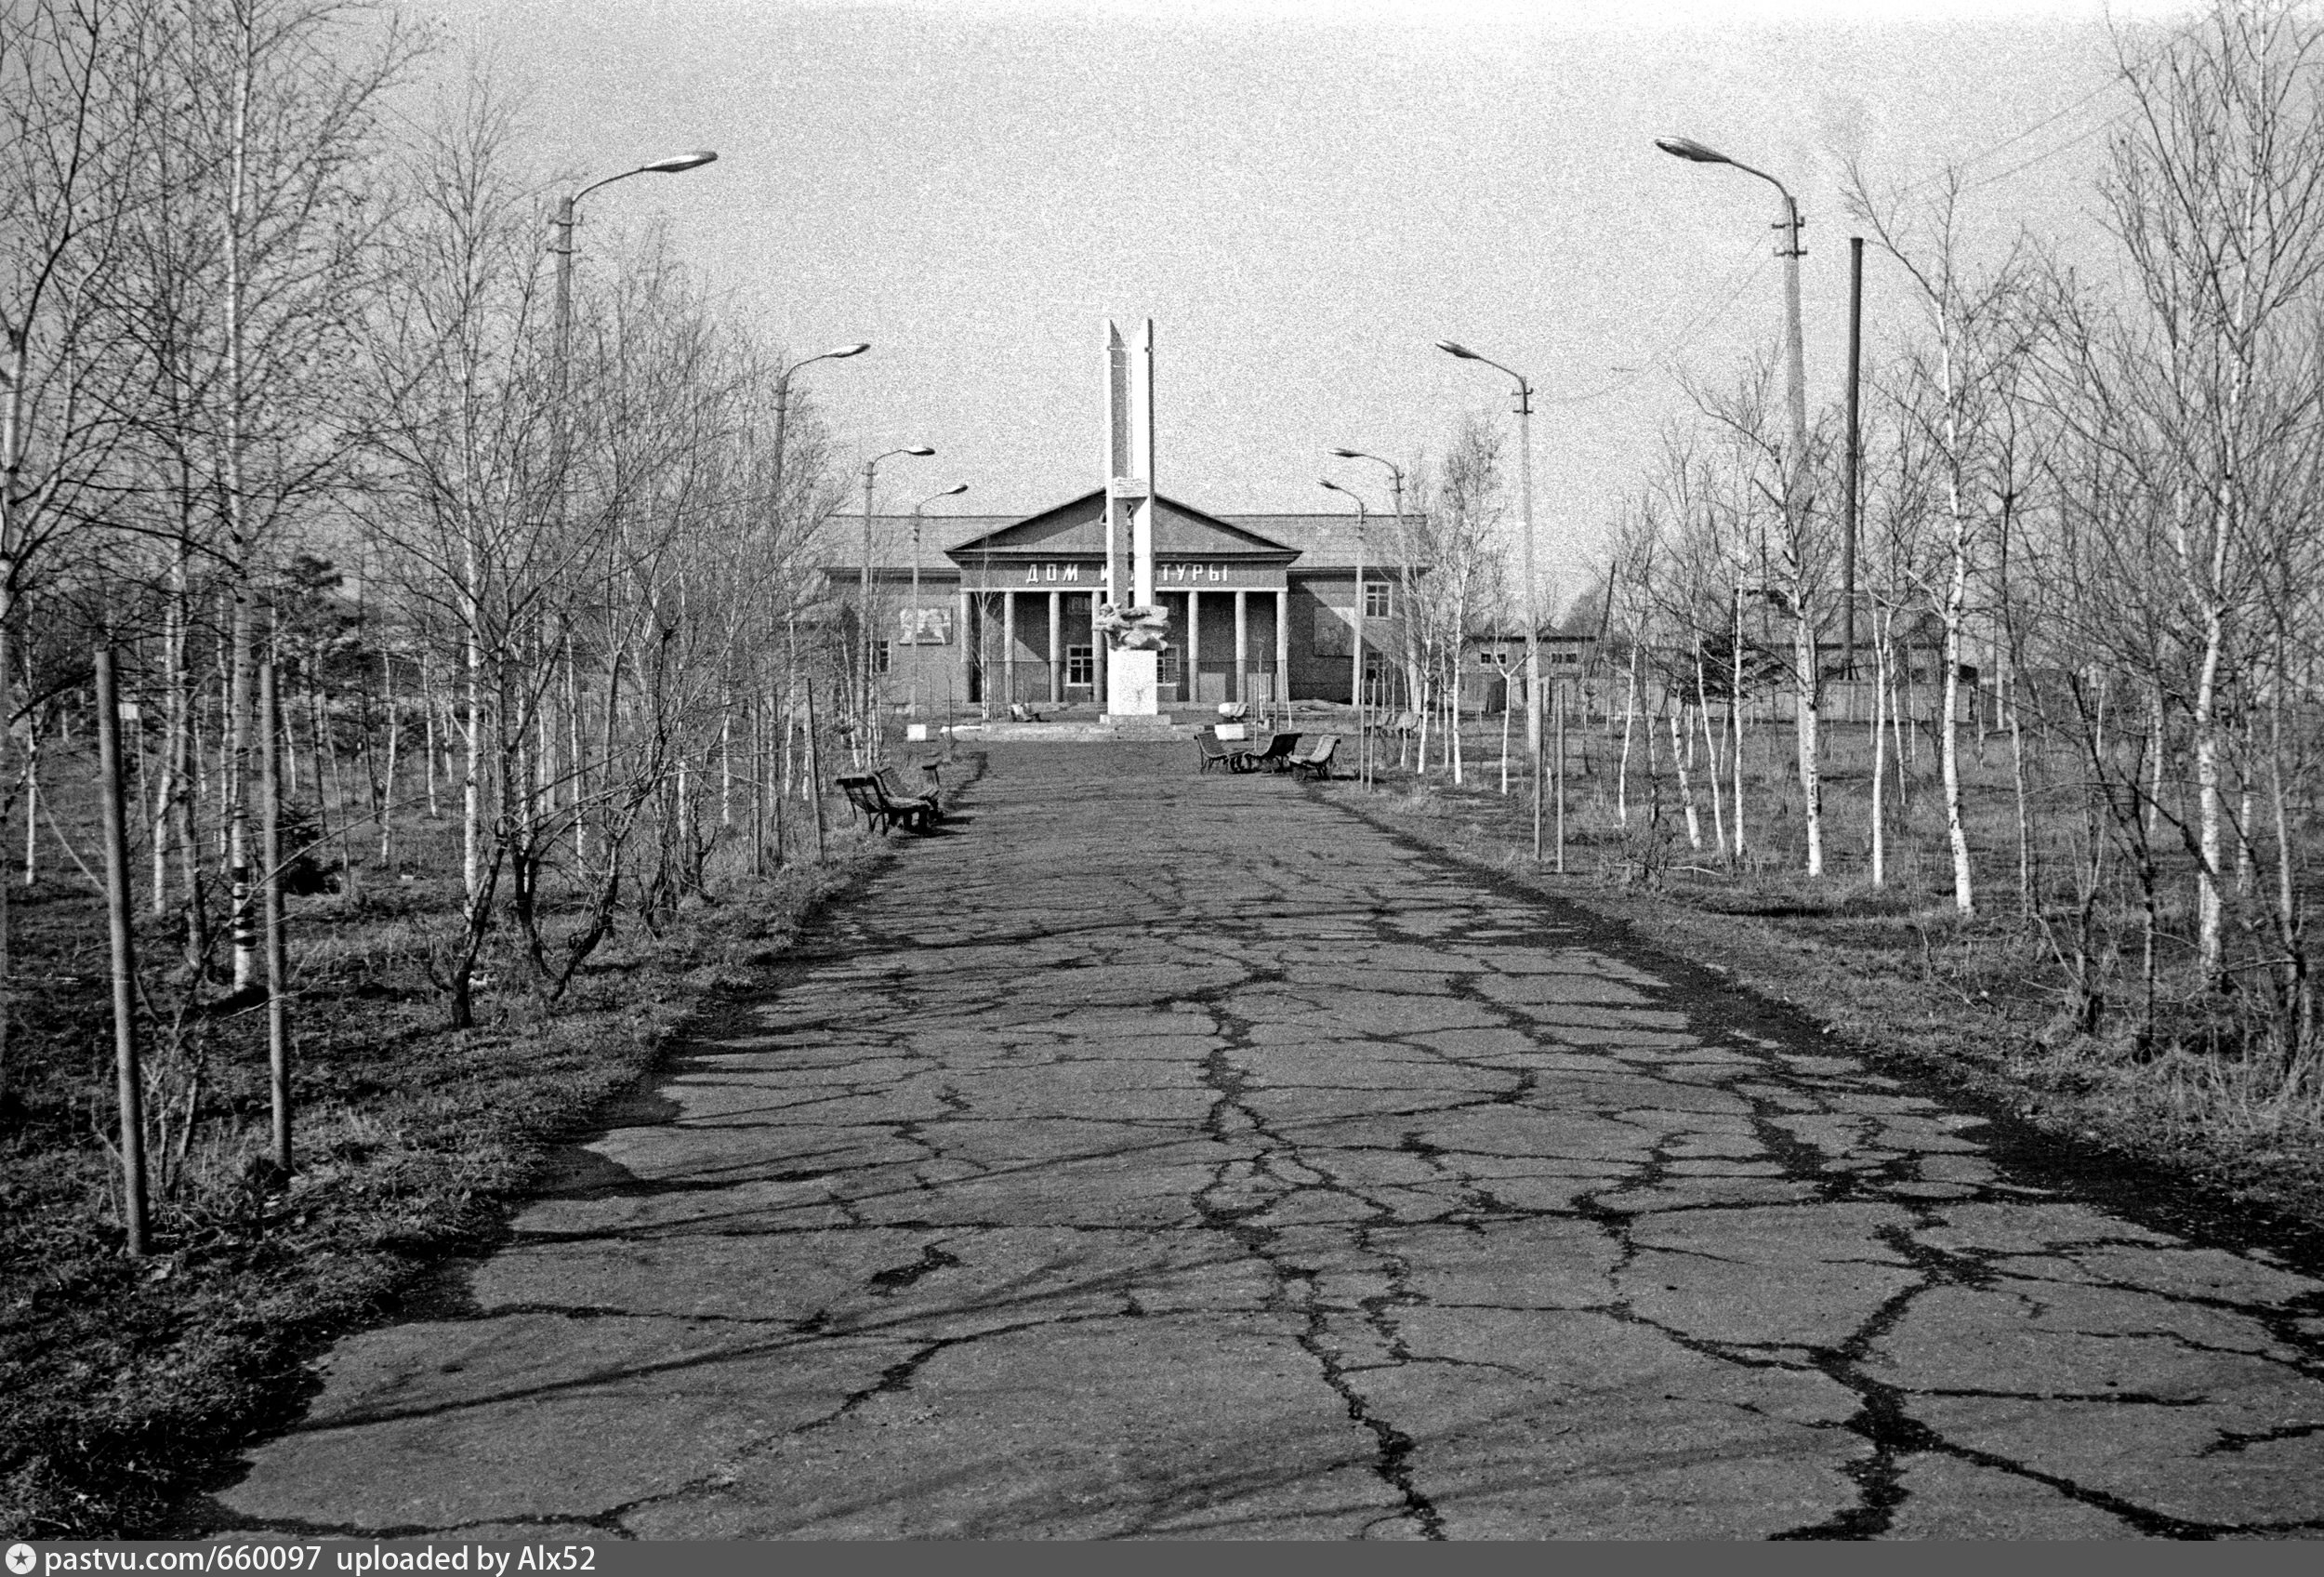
(1194, 645)
(1242, 647)
(1056, 648)
(1283, 647)
(968, 653)
(1009, 648)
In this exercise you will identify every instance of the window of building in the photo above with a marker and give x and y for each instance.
(1378, 600)
(886, 658)
(1081, 665)
(1166, 669)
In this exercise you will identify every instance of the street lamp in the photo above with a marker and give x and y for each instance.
(1355, 689)
(956, 488)
(864, 597)
(1795, 467)
(1395, 482)
(561, 433)
(1396, 474)
(1794, 356)
(783, 406)
(1533, 622)
(565, 221)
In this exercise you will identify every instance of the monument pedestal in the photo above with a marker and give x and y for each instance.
(1133, 684)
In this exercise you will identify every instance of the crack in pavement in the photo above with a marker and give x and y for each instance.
(1175, 1155)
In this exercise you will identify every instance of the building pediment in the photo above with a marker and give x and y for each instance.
(1075, 529)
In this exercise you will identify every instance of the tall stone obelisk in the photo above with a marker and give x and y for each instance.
(1135, 627)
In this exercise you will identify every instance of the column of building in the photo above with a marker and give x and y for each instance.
(1009, 648)
(1242, 645)
(1056, 648)
(1192, 676)
(1283, 646)
(968, 653)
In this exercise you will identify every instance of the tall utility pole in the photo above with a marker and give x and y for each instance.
(1794, 507)
(1854, 462)
(1532, 615)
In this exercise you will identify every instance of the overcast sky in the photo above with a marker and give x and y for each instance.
(1304, 197)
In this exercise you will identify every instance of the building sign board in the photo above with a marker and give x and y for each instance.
(1088, 574)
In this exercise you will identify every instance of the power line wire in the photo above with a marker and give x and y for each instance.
(1662, 356)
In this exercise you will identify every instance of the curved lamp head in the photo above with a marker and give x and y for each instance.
(677, 162)
(955, 487)
(921, 449)
(1450, 349)
(1349, 455)
(855, 350)
(1687, 147)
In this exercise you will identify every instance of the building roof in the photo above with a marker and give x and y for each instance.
(1324, 542)
(1076, 528)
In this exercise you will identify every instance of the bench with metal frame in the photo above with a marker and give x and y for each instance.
(1276, 756)
(868, 794)
(1315, 762)
(1211, 750)
(898, 790)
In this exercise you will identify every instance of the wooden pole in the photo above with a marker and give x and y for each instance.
(277, 962)
(129, 1078)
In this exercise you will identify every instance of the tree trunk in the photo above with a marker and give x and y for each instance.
(1808, 720)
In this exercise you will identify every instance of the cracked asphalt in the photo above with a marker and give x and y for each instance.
(1155, 1154)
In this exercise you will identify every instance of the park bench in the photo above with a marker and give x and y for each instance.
(1275, 757)
(1219, 748)
(1316, 761)
(867, 794)
(899, 793)
(1019, 713)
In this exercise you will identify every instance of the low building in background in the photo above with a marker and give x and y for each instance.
(1262, 608)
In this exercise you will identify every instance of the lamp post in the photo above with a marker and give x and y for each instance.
(1795, 375)
(783, 406)
(564, 222)
(561, 433)
(1395, 482)
(1355, 689)
(956, 488)
(1396, 474)
(1794, 488)
(1533, 622)
(864, 597)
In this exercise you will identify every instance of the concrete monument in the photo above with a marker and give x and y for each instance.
(1134, 627)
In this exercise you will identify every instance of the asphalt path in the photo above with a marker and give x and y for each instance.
(1171, 1155)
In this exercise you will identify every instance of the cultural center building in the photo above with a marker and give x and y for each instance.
(971, 610)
